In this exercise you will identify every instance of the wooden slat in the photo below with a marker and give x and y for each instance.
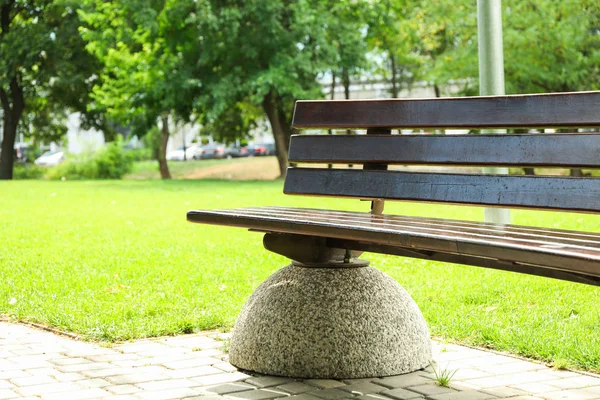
(556, 150)
(559, 193)
(447, 240)
(580, 109)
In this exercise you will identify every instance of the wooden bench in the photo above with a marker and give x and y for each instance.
(330, 239)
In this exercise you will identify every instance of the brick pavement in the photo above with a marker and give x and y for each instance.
(37, 364)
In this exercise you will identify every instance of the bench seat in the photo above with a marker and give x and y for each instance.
(562, 254)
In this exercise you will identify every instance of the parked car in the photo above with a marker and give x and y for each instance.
(236, 151)
(214, 150)
(257, 150)
(262, 149)
(176, 155)
(50, 158)
(194, 152)
(23, 153)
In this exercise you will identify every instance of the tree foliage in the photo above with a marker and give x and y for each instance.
(269, 53)
(146, 77)
(44, 71)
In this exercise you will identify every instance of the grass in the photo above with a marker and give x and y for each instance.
(116, 260)
(178, 169)
(442, 376)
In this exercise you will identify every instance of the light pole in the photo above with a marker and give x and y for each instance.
(491, 76)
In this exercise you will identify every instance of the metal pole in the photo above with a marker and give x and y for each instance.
(491, 77)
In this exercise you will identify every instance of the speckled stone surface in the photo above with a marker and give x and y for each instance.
(330, 323)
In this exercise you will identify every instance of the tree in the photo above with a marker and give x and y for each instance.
(44, 70)
(392, 35)
(146, 79)
(551, 46)
(269, 52)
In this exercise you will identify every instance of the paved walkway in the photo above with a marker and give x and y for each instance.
(37, 364)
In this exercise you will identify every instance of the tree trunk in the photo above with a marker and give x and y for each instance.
(395, 91)
(162, 152)
(279, 132)
(12, 110)
(9, 132)
(346, 83)
(438, 92)
(529, 171)
(332, 96)
(576, 172)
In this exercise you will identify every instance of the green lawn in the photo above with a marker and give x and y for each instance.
(115, 260)
(178, 169)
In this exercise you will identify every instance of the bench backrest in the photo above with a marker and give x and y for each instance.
(379, 148)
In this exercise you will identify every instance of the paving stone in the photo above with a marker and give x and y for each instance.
(5, 384)
(33, 380)
(193, 372)
(505, 391)
(83, 367)
(7, 394)
(103, 373)
(489, 382)
(466, 373)
(526, 398)
(525, 377)
(42, 371)
(402, 394)
(468, 395)
(511, 368)
(230, 388)
(163, 359)
(432, 389)
(561, 373)
(39, 390)
(225, 366)
(362, 388)
(220, 378)
(458, 385)
(268, 381)
(259, 394)
(296, 387)
(204, 397)
(167, 384)
(121, 397)
(371, 396)
(575, 382)
(403, 381)
(536, 387)
(593, 389)
(113, 357)
(69, 361)
(67, 376)
(191, 363)
(357, 380)
(571, 394)
(324, 383)
(94, 393)
(13, 373)
(331, 394)
(304, 396)
(122, 389)
(488, 359)
(132, 379)
(175, 393)
(94, 383)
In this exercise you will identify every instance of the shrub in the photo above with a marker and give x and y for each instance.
(110, 162)
(144, 154)
(27, 171)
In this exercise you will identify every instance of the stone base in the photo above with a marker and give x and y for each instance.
(330, 323)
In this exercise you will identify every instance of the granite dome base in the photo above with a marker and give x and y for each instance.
(330, 323)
